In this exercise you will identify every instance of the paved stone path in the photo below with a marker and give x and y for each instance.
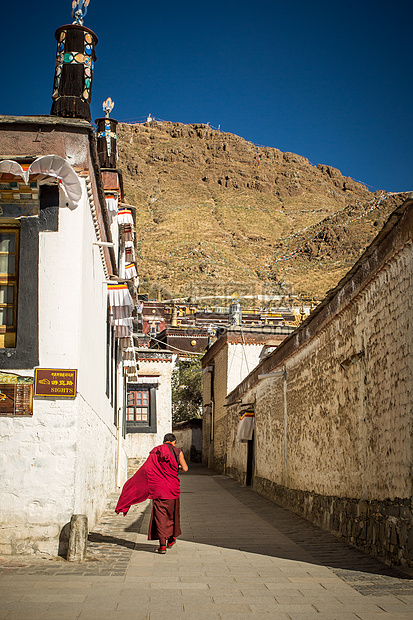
(241, 557)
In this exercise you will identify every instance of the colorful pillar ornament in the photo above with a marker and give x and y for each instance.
(107, 137)
(75, 57)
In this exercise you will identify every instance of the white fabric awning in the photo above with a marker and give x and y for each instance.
(51, 166)
(123, 327)
(245, 427)
(112, 205)
(119, 296)
(125, 217)
(130, 270)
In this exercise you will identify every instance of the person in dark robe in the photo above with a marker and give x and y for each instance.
(158, 480)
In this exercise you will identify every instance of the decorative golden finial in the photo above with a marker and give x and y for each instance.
(79, 10)
(108, 106)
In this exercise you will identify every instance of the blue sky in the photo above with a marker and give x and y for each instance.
(329, 81)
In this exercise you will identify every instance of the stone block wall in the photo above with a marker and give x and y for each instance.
(348, 414)
(382, 528)
(207, 445)
(334, 435)
(237, 453)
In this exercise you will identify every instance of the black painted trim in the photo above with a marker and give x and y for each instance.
(26, 353)
(132, 427)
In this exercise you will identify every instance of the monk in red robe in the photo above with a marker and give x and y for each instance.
(158, 480)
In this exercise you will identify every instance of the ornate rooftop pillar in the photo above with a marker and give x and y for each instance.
(72, 89)
(106, 137)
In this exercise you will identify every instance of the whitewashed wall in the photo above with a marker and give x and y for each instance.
(62, 460)
(37, 457)
(232, 364)
(241, 360)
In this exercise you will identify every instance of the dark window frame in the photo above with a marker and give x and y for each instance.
(8, 330)
(25, 354)
(151, 425)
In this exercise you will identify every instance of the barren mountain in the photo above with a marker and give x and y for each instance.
(218, 215)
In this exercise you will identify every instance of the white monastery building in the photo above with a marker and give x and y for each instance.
(73, 405)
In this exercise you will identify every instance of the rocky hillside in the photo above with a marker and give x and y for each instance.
(218, 215)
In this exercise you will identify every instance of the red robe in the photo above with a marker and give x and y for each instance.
(156, 479)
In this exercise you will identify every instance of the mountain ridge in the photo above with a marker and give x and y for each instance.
(216, 214)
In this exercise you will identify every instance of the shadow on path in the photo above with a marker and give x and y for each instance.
(271, 530)
(218, 512)
(101, 539)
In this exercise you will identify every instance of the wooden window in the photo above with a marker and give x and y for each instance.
(141, 408)
(137, 409)
(9, 270)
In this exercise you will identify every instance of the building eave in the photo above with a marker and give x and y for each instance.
(75, 125)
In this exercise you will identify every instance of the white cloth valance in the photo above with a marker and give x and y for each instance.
(129, 255)
(128, 353)
(125, 217)
(119, 296)
(126, 232)
(112, 205)
(121, 312)
(149, 380)
(245, 427)
(129, 271)
(122, 327)
(126, 342)
(129, 364)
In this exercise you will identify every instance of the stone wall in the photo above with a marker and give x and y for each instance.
(382, 528)
(237, 453)
(333, 434)
(207, 416)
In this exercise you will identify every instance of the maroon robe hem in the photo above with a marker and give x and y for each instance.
(165, 520)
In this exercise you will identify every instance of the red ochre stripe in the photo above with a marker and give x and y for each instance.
(247, 415)
(117, 286)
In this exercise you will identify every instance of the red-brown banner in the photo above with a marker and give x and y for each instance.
(16, 395)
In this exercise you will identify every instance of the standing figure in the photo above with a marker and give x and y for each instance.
(158, 480)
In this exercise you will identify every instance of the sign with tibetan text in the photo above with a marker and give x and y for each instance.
(16, 395)
(56, 382)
